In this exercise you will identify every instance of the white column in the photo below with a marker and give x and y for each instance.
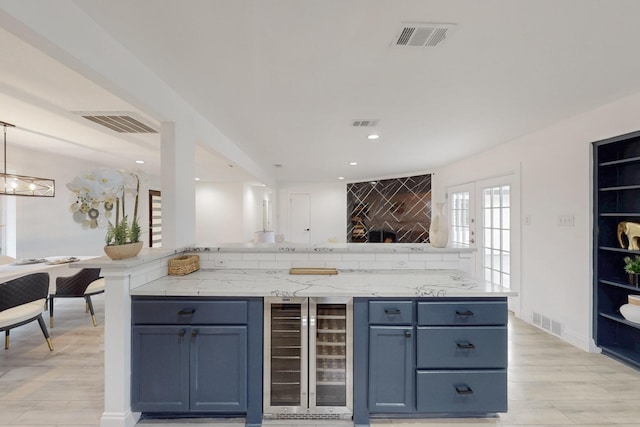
(117, 351)
(178, 185)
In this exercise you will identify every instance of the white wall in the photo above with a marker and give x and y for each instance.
(228, 212)
(45, 226)
(555, 180)
(219, 216)
(328, 218)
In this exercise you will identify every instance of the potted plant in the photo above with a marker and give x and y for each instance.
(632, 267)
(100, 197)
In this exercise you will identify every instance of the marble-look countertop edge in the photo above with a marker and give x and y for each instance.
(350, 283)
(329, 248)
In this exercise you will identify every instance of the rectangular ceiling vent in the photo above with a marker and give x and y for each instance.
(422, 34)
(363, 123)
(121, 122)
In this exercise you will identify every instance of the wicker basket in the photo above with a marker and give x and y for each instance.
(184, 265)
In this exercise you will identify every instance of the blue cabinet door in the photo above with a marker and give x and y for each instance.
(391, 379)
(218, 369)
(160, 369)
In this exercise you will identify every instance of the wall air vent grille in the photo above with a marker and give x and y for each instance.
(422, 34)
(119, 122)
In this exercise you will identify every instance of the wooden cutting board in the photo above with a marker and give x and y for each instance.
(313, 271)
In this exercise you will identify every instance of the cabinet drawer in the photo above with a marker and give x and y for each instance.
(391, 312)
(462, 347)
(462, 313)
(459, 392)
(189, 312)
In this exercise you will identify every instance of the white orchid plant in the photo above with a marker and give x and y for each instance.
(99, 195)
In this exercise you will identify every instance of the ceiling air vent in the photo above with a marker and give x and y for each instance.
(362, 123)
(422, 34)
(121, 122)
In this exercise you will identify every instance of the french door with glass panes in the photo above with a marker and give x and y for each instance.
(485, 215)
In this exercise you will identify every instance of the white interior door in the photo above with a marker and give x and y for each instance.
(299, 218)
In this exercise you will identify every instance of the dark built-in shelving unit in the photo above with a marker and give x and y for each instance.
(616, 195)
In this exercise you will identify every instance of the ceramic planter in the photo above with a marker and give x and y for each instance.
(123, 251)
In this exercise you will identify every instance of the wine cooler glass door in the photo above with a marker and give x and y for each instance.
(330, 367)
(287, 385)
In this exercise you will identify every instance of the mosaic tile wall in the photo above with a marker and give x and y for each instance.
(395, 210)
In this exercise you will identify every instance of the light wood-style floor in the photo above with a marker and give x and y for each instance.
(551, 384)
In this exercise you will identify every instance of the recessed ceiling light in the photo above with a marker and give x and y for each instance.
(353, 164)
(373, 136)
(139, 162)
(341, 177)
(197, 179)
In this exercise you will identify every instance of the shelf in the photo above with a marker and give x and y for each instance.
(618, 318)
(617, 214)
(331, 356)
(628, 356)
(621, 161)
(619, 285)
(621, 250)
(621, 188)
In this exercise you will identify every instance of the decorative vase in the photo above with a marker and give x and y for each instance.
(633, 279)
(439, 228)
(128, 250)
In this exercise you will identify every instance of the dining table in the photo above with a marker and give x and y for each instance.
(56, 266)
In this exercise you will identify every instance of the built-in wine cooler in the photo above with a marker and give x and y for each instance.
(308, 358)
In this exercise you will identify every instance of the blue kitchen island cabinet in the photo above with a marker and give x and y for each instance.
(426, 357)
(197, 357)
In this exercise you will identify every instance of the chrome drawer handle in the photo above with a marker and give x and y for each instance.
(464, 313)
(463, 389)
(391, 311)
(187, 312)
(466, 346)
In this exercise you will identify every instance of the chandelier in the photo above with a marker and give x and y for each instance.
(22, 185)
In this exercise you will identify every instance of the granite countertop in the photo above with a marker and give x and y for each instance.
(352, 283)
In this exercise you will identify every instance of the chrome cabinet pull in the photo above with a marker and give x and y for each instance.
(187, 312)
(391, 311)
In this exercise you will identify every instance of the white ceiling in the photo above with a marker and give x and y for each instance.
(283, 79)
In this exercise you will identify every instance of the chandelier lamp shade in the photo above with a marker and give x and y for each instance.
(23, 185)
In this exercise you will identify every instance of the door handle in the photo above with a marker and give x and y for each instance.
(407, 334)
(188, 312)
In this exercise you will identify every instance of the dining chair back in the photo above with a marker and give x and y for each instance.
(23, 300)
(83, 284)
